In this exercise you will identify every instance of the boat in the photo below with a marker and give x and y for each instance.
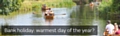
(49, 16)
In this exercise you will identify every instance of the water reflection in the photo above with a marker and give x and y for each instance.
(88, 16)
(49, 21)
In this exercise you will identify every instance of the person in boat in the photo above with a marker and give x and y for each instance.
(118, 31)
(109, 29)
(44, 8)
(91, 4)
(116, 27)
(49, 12)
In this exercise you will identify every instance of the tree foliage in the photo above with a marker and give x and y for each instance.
(110, 6)
(109, 9)
(116, 5)
(7, 6)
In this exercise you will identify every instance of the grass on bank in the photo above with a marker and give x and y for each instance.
(33, 5)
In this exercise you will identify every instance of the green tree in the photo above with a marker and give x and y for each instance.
(109, 9)
(7, 6)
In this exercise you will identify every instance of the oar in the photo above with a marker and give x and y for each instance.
(60, 14)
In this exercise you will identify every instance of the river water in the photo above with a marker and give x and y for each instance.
(88, 16)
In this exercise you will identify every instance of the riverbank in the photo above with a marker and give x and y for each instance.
(29, 6)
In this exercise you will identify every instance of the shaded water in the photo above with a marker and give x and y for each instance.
(86, 16)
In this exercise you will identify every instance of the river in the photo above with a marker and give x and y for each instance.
(89, 16)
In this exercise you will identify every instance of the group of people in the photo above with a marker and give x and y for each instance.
(47, 11)
(112, 30)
